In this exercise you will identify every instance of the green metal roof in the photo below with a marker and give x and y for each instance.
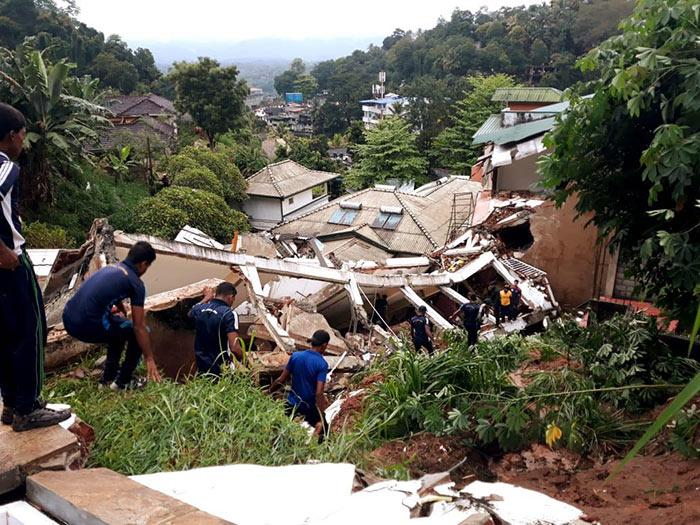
(527, 94)
(492, 131)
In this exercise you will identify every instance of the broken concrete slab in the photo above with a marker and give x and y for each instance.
(22, 513)
(301, 326)
(101, 496)
(26, 453)
(519, 506)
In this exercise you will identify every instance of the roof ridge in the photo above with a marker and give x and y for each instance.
(415, 219)
(274, 182)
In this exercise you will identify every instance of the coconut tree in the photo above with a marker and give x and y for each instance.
(62, 117)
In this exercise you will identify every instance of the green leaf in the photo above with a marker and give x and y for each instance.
(696, 329)
(685, 396)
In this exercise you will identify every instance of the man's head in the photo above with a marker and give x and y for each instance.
(226, 292)
(319, 341)
(472, 297)
(12, 130)
(506, 287)
(141, 256)
(516, 282)
(422, 309)
(385, 297)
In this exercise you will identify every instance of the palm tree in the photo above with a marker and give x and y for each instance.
(62, 117)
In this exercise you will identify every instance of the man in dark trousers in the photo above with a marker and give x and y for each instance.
(381, 306)
(22, 317)
(420, 331)
(515, 300)
(470, 319)
(216, 329)
(92, 316)
(494, 300)
(505, 297)
(309, 371)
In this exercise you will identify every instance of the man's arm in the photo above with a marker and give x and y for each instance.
(459, 308)
(321, 403)
(278, 382)
(208, 296)
(428, 331)
(138, 316)
(8, 259)
(234, 343)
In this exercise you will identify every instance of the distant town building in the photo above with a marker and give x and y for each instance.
(375, 110)
(254, 98)
(294, 97)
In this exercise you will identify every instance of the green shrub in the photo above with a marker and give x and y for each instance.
(199, 178)
(40, 235)
(232, 182)
(92, 195)
(166, 213)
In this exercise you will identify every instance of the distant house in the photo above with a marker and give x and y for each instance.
(381, 222)
(524, 98)
(376, 109)
(140, 116)
(254, 98)
(284, 190)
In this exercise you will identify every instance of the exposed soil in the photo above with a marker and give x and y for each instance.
(524, 375)
(351, 409)
(650, 490)
(427, 453)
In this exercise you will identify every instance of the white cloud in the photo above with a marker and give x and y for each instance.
(233, 21)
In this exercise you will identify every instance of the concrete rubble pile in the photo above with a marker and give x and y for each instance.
(283, 299)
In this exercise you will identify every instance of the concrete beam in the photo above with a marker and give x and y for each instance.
(454, 295)
(433, 314)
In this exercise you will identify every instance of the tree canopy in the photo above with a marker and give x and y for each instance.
(631, 153)
(453, 147)
(212, 94)
(390, 152)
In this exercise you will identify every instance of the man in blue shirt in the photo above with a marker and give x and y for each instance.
(420, 331)
(91, 316)
(308, 370)
(22, 318)
(216, 329)
(470, 319)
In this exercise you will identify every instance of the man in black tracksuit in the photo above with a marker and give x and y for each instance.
(420, 331)
(22, 317)
(470, 319)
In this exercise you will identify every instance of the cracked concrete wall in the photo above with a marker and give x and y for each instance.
(567, 251)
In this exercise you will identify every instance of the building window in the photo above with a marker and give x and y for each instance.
(343, 216)
(387, 221)
(291, 200)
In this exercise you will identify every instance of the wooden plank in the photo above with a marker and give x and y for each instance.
(25, 453)
(101, 496)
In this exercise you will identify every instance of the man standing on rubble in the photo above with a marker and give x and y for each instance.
(420, 331)
(92, 316)
(22, 318)
(517, 293)
(506, 297)
(309, 371)
(381, 307)
(471, 317)
(494, 301)
(216, 329)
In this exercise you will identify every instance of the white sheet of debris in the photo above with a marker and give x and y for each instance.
(519, 506)
(22, 513)
(257, 495)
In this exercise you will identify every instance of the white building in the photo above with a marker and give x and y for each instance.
(283, 190)
(254, 98)
(374, 110)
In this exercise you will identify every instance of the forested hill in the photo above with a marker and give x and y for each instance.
(57, 30)
(544, 40)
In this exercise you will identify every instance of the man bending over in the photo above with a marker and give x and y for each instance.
(92, 316)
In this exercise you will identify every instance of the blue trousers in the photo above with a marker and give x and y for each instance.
(120, 332)
(22, 337)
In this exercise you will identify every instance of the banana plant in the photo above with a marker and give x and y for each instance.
(120, 163)
(62, 116)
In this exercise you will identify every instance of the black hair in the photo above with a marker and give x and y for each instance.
(141, 252)
(472, 297)
(11, 119)
(224, 289)
(422, 308)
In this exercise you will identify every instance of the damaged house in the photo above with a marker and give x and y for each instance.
(517, 213)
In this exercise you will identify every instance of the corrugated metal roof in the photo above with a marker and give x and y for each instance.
(527, 94)
(556, 108)
(492, 131)
(286, 178)
(385, 100)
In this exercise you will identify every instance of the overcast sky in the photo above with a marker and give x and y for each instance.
(236, 20)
